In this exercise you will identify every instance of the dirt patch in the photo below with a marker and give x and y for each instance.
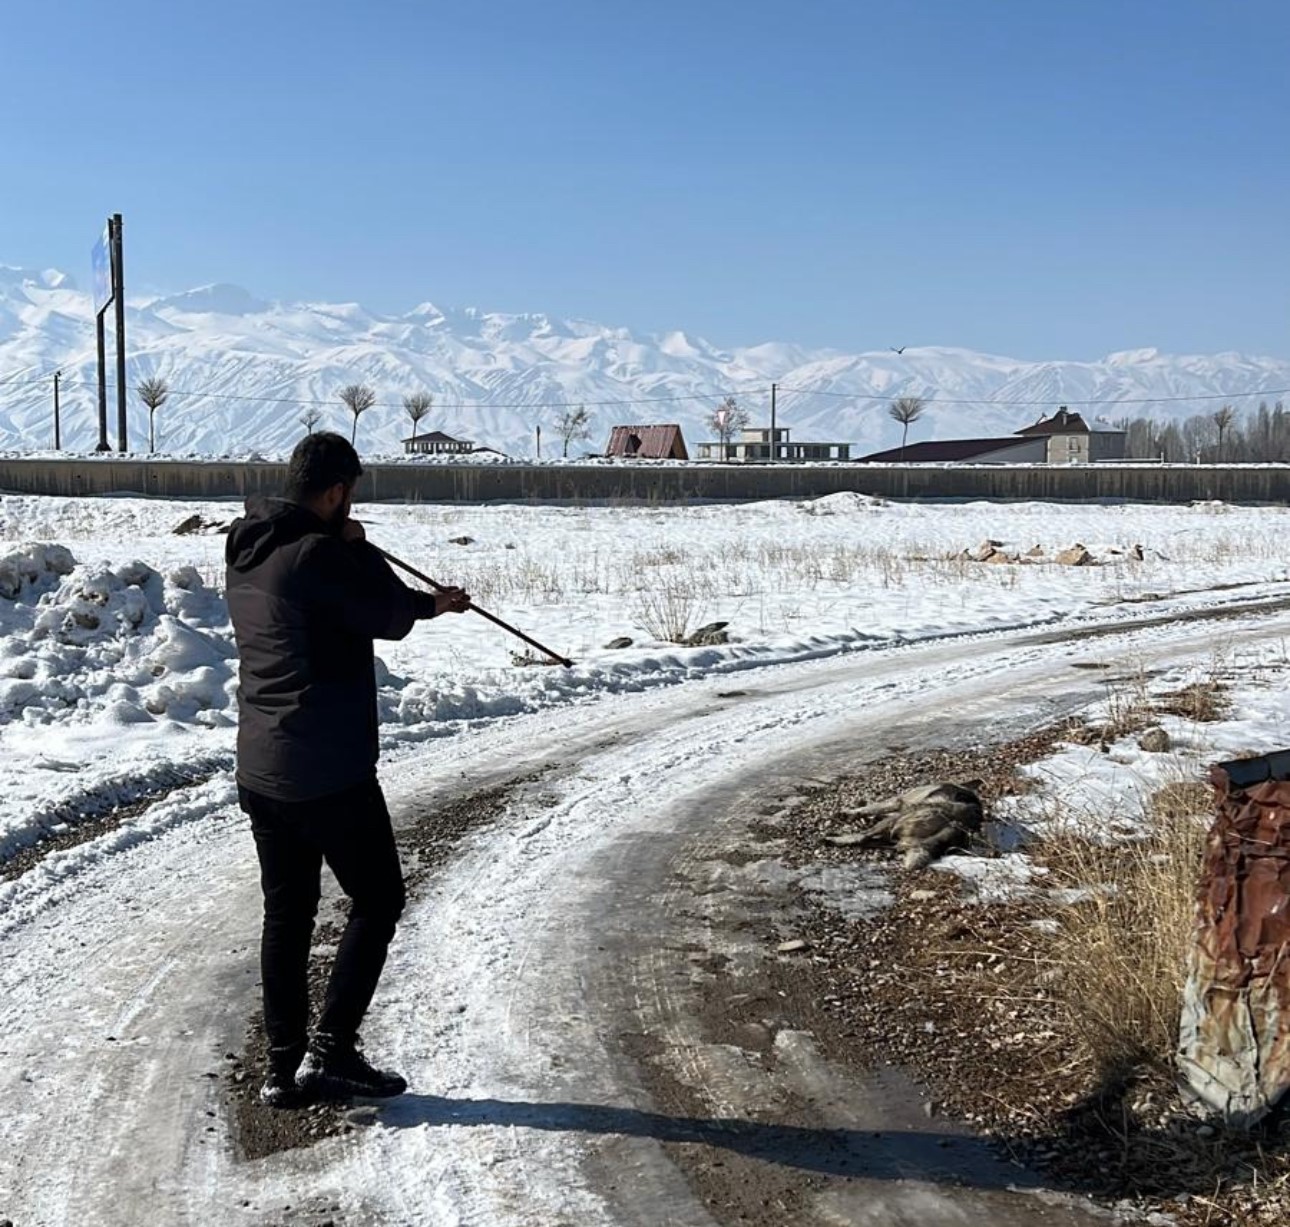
(810, 991)
(424, 845)
(735, 1187)
(962, 996)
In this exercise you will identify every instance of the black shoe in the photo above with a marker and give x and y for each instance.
(335, 1069)
(280, 1089)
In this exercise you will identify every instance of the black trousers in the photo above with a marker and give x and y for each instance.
(351, 831)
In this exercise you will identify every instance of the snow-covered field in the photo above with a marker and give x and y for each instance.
(118, 672)
(117, 682)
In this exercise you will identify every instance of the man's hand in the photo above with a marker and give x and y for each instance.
(451, 600)
(352, 530)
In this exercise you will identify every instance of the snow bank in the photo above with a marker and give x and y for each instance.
(123, 644)
(32, 568)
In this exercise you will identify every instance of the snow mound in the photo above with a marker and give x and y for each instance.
(96, 604)
(846, 502)
(117, 645)
(33, 567)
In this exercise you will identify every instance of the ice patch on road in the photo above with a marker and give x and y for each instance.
(858, 892)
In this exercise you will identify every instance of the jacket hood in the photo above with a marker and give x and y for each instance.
(269, 524)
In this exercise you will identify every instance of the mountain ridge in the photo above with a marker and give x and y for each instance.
(239, 364)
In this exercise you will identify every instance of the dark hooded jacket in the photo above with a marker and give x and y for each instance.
(306, 606)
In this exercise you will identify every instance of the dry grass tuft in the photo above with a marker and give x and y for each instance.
(1181, 801)
(1120, 950)
(671, 609)
(1204, 701)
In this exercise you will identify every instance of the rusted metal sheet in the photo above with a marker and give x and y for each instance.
(1235, 1034)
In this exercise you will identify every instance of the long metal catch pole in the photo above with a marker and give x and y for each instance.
(483, 613)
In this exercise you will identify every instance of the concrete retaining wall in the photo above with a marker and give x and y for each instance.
(643, 482)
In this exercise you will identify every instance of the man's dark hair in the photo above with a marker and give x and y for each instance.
(317, 463)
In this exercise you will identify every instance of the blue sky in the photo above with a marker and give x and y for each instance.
(1033, 179)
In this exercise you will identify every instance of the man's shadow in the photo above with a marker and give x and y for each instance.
(935, 1156)
(932, 1156)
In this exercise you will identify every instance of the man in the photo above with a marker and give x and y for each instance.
(307, 595)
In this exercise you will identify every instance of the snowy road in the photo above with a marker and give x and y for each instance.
(541, 988)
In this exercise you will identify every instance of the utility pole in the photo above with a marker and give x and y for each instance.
(539, 440)
(118, 287)
(774, 444)
(58, 428)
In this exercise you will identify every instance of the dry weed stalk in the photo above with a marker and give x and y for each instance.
(672, 608)
(1120, 949)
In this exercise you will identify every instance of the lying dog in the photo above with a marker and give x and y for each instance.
(923, 822)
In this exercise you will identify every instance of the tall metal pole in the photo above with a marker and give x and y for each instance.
(118, 294)
(103, 446)
(774, 446)
(58, 429)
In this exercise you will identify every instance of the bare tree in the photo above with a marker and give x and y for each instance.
(1223, 419)
(416, 406)
(1199, 439)
(905, 409)
(726, 421)
(153, 393)
(358, 399)
(573, 424)
(310, 418)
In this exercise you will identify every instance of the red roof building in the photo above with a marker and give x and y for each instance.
(647, 443)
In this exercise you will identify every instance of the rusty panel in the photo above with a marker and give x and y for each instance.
(1235, 1034)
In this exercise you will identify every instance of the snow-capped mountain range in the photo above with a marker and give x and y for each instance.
(241, 371)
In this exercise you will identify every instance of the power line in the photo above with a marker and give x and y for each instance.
(932, 398)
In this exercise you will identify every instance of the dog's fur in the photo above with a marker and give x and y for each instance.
(923, 822)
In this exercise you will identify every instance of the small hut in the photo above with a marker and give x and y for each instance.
(663, 442)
